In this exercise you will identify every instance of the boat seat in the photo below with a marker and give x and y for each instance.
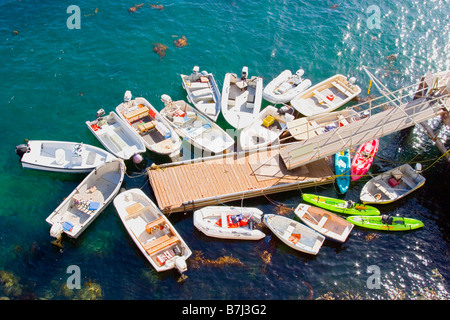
(384, 190)
(289, 230)
(201, 93)
(155, 241)
(323, 221)
(154, 223)
(241, 99)
(133, 209)
(162, 245)
(341, 88)
(408, 182)
(198, 85)
(146, 126)
(136, 114)
(117, 140)
(208, 108)
(322, 99)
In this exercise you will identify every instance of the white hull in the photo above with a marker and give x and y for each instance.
(294, 234)
(207, 220)
(117, 136)
(241, 100)
(203, 93)
(327, 223)
(152, 231)
(157, 135)
(85, 203)
(379, 190)
(63, 156)
(285, 87)
(257, 135)
(326, 96)
(196, 128)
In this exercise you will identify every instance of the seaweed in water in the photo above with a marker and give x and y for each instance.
(157, 6)
(219, 262)
(160, 49)
(135, 7)
(181, 42)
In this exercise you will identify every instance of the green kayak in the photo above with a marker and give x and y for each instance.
(386, 223)
(341, 206)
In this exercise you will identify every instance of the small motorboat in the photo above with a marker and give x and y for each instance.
(326, 96)
(194, 126)
(155, 131)
(202, 92)
(342, 165)
(85, 203)
(329, 224)
(294, 234)
(340, 205)
(392, 185)
(386, 223)
(152, 231)
(286, 86)
(363, 159)
(62, 156)
(229, 222)
(116, 135)
(266, 129)
(241, 98)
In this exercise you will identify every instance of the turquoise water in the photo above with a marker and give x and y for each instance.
(54, 79)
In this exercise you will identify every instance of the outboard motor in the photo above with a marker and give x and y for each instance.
(127, 96)
(100, 114)
(418, 168)
(21, 149)
(166, 99)
(180, 264)
(195, 70)
(244, 73)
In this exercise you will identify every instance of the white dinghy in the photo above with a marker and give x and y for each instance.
(62, 156)
(117, 136)
(157, 134)
(87, 200)
(286, 86)
(267, 128)
(326, 96)
(229, 222)
(194, 126)
(241, 98)
(325, 222)
(202, 92)
(152, 231)
(392, 185)
(294, 234)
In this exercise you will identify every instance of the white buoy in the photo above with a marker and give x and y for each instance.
(137, 158)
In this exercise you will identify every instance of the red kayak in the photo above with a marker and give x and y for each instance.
(363, 159)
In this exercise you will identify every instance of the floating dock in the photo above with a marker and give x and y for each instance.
(191, 184)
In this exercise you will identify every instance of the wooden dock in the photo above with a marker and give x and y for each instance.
(192, 184)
